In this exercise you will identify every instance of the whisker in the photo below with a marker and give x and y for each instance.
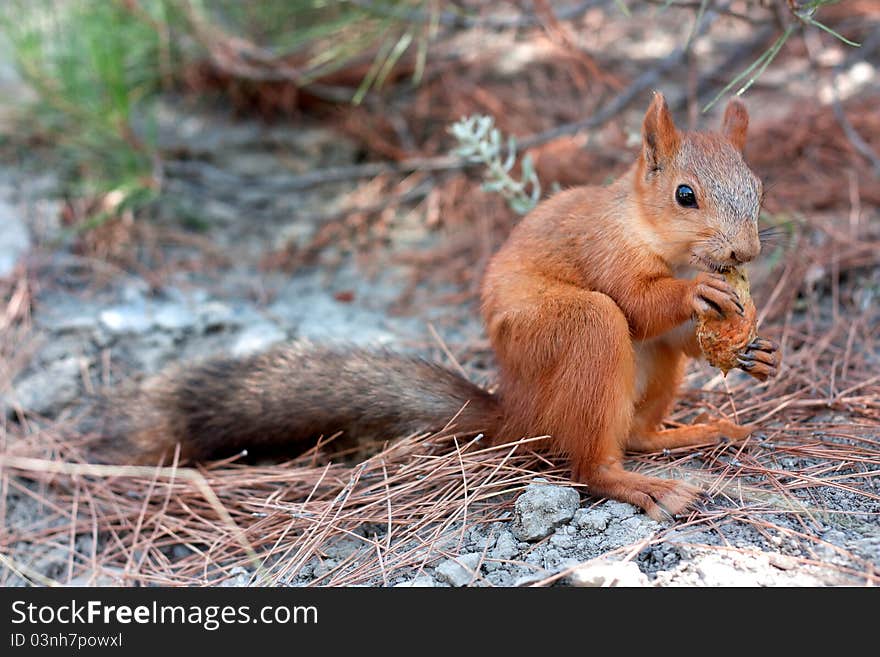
(774, 229)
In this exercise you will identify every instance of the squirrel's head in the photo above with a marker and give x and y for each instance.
(697, 191)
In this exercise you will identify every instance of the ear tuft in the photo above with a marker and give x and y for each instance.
(735, 123)
(660, 137)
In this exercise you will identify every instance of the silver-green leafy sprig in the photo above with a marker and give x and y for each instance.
(479, 141)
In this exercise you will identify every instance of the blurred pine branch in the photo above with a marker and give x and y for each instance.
(98, 66)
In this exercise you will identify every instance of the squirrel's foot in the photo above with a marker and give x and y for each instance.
(733, 431)
(760, 359)
(662, 499)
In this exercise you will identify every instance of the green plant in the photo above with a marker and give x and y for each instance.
(804, 15)
(479, 141)
(93, 66)
(320, 36)
(98, 65)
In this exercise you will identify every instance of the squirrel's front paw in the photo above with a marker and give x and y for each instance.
(713, 295)
(761, 358)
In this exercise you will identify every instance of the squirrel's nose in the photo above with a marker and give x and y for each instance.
(740, 256)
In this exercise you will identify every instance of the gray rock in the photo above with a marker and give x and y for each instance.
(343, 548)
(506, 546)
(153, 351)
(48, 389)
(608, 573)
(529, 579)
(334, 321)
(76, 323)
(620, 509)
(421, 581)
(541, 508)
(500, 577)
(180, 551)
(137, 316)
(562, 540)
(104, 577)
(215, 314)
(241, 577)
(128, 318)
(459, 571)
(591, 521)
(722, 572)
(174, 317)
(59, 347)
(627, 531)
(15, 240)
(257, 338)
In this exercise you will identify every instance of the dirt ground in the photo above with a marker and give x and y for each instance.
(236, 257)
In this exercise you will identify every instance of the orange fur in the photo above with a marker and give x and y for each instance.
(590, 319)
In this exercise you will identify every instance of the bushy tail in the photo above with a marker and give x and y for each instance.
(283, 400)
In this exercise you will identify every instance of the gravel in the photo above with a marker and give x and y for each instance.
(542, 508)
(47, 389)
(459, 571)
(604, 573)
(15, 240)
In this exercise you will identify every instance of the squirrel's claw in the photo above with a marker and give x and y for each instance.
(712, 293)
(761, 359)
(668, 517)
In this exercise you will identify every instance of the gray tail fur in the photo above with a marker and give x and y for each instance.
(284, 400)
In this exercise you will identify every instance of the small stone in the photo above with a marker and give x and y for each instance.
(47, 390)
(131, 318)
(461, 570)
(174, 317)
(505, 549)
(562, 540)
(782, 561)
(214, 315)
(637, 523)
(104, 577)
(607, 574)
(241, 577)
(506, 546)
(421, 581)
(69, 322)
(619, 509)
(180, 551)
(257, 338)
(591, 521)
(15, 240)
(343, 548)
(528, 580)
(324, 567)
(500, 577)
(541, 508)
(715, 570)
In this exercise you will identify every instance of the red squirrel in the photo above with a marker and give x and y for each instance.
(589, 307)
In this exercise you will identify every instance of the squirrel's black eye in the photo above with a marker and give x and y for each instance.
(685, 196)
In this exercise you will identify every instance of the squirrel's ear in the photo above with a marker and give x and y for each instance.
(659, 133)
(735, 123)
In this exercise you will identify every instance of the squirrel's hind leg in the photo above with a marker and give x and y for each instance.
(688, 436)
(663, 367)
